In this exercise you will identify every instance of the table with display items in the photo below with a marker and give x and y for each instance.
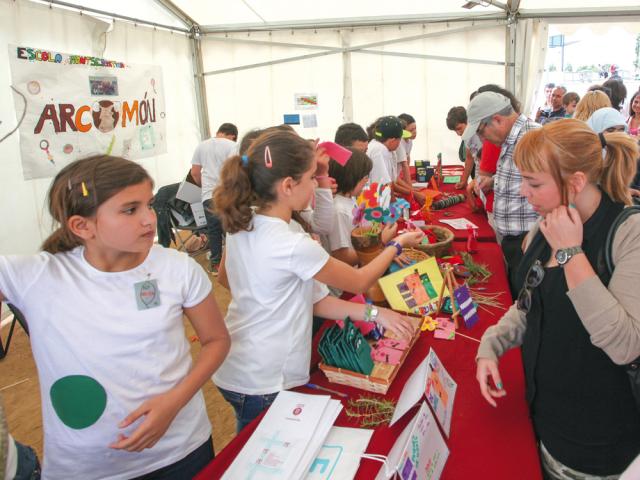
(485, 442)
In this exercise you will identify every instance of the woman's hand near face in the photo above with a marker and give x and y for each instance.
(562, 227)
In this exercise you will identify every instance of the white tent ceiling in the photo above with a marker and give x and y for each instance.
(226, 15)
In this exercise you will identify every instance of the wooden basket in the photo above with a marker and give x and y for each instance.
(445, 240)
(382, 374)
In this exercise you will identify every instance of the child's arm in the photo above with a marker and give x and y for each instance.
(340, 275)
(468, 166)
(346, 255)
(222, 271)
(332, 307)
(159, 411)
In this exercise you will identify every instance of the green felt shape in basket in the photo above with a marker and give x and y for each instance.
(346, 348)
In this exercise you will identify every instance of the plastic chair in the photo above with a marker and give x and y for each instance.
(18, 317)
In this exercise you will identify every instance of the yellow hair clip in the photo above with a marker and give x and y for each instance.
(85, 192)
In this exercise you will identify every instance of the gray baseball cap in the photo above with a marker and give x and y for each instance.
(482, 106)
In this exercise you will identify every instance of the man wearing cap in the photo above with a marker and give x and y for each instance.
(387, 133)
(492, 117)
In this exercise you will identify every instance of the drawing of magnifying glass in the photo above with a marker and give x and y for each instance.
(44, 145)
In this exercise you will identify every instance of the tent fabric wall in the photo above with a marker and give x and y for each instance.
(531, 48)
(380, 84)
(22, 203)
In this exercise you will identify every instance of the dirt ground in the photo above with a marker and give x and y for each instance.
(20, 389)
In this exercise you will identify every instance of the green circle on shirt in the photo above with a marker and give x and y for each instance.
(78, 400)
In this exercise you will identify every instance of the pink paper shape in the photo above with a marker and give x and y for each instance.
(337, 152)
(446, 329)
(386, 355)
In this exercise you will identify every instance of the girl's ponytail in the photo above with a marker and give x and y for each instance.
(61, 240)
(620, 165)
(233, 196)
(249, 181)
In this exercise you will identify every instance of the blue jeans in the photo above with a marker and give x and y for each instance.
(28, 464)
(247, 407)
(184, 469)
(214, 231)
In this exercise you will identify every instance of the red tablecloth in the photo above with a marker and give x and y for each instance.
(485, 442)
(462, 210)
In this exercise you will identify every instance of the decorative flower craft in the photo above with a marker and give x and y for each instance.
(376, 214)
(358, 213)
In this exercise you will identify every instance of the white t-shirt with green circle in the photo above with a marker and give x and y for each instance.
(104, 343)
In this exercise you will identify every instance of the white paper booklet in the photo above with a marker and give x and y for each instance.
(458, 223)
(339, 457)
(288, 438)
(420, 452)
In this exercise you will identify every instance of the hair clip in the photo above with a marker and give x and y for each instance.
(69, 184)
(267, 157)
(245, 160)
(85, 192)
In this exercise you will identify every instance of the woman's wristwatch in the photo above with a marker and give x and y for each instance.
(563, 255)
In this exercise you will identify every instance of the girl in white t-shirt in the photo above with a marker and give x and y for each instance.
(270, 265)
(120, 396)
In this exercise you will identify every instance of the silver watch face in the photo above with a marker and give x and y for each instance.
(562, 256)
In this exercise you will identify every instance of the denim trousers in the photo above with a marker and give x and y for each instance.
(214, 231)
(247, 407)
(184, 469)
(28, 464)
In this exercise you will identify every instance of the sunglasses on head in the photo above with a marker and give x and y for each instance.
(532, 280)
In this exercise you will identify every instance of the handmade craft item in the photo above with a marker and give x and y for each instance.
(449, 283)
(448, 202)
(413, 289)
(346, 348)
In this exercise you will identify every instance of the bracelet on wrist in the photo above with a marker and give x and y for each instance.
(397, 246)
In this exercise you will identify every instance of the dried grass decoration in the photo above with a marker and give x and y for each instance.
(478, 272)
(370, 411)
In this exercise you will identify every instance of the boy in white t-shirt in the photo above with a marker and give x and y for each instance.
(211, 155)
(120, 395)
(388, 157)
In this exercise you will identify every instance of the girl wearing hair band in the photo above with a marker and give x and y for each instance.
(120, 396)
(577, 324)
(270, 265)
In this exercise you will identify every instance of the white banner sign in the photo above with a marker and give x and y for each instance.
(79, 105)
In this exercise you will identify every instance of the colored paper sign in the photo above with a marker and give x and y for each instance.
(413, 288)
(440, 391)
(78, 105)
(467, 308)
(420, 452)
(337, 152)
(451, 179)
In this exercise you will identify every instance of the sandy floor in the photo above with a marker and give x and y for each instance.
(22, 398)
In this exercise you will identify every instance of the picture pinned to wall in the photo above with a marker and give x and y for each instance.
(306, 101)
(107, 86)
(309, 121)
(291, 119)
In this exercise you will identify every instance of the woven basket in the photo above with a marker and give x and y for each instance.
(415, 255)
(445, 240)
(382, 374)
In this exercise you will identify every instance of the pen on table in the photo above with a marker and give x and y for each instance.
(324, 389)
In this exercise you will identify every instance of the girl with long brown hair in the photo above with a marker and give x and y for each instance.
(120, 396)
